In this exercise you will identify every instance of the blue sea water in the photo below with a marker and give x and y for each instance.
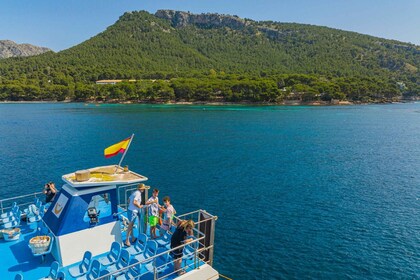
(300, 192)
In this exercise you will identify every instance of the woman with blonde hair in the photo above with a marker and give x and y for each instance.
(183, 230)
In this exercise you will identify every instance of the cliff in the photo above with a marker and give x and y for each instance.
(11, 49)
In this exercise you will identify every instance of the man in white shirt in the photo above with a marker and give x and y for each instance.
(133, 212)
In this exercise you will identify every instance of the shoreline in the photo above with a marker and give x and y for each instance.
(284, 103)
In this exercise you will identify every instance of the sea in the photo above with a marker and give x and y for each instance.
(300, 192)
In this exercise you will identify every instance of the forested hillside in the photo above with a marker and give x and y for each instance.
(178, 56)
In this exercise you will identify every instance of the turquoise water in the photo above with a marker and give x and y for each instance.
(300, 192)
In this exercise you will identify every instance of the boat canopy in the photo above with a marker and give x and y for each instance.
(103, 176)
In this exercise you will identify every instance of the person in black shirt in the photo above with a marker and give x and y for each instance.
(49, 191)
(183, 230)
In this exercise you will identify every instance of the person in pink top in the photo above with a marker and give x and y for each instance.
(169, 211)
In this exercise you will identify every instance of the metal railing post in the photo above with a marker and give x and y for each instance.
(154, 270)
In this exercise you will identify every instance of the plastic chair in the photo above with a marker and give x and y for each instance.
(53, 270)
(112, 256)
(83, 267)
(12, 216)
(8, 219)
(139, 246)
(165, 239)
(93, 272)
(103, 273)
(133, 271)
(32, 221)
(122, 262)
(12, 224)
(31, 211)
(11, 212)
(18, 276)
(149, 252)
(189, 250)
(162, 261)
(61, 276)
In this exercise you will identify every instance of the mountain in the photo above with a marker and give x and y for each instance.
(11, 49)
(218, 57)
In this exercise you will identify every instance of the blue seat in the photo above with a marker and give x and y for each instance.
(61, 276)
(162, 261)
(53, 270)
(165, 239)
(133, 271)
(83, 267)
(93, 272)
(189, 250)
(12, 224)
(18, 276)
(11, 212)
(103, 273)
(12, 220)
(113, 254)
(8, 219)
(122, 262)
(31, 211)
(139, 245)
(149, 252)
(33, 218)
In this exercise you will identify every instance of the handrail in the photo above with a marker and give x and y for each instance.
(15, 198)
(153, 258)
(196, 253)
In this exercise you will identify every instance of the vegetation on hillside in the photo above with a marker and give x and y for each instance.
(259, 62)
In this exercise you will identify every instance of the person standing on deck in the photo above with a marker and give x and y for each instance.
(181, 235)
(153, 204)
(133, 212)
(169, 211)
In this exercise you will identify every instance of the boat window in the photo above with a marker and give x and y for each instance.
(98, 207)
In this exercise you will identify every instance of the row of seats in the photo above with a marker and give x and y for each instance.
(10, 219)
(33, 214)
(135, 258)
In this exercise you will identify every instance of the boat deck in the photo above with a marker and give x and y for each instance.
(17, 258)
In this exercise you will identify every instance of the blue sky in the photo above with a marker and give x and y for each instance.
(60, 24)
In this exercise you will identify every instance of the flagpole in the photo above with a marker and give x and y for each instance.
(119, 164)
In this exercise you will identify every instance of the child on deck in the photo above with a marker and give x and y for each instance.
(153, 204)
(169, 211)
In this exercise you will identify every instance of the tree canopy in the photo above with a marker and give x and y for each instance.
(259, 62)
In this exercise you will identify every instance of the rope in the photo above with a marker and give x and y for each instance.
(221, 275)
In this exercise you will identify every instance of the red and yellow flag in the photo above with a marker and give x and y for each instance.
(120, 147)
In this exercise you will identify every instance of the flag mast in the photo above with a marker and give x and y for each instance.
(119, 164)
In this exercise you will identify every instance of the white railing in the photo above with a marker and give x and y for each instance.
(202, 249)
(22, 200)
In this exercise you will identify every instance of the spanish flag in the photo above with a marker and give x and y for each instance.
(120, 147)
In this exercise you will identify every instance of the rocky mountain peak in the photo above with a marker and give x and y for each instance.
(207, 20)
(11, 49)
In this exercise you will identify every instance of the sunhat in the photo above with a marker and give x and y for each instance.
(143, 187)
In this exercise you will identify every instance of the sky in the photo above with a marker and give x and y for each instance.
(61, 24)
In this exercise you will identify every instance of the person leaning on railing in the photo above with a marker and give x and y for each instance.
(184, 229)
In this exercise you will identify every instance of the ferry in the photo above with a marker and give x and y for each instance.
(81, 233)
